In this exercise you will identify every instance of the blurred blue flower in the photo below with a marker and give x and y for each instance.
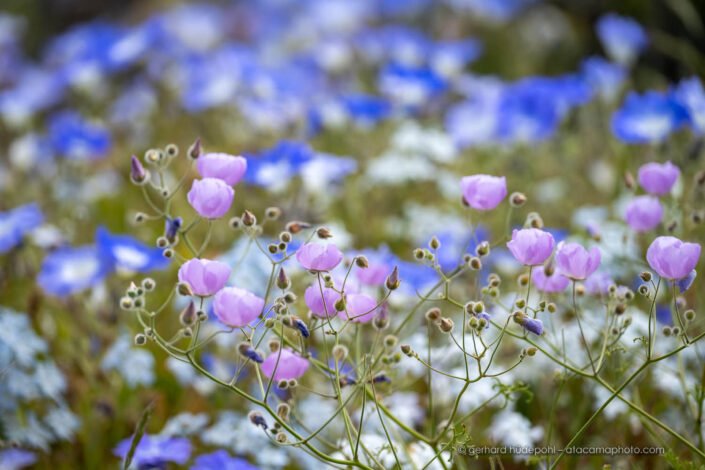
(491, 10)
(34, 91)
(366, 110)
(528, 112)
(449, 58)
(273, 168)
(410, 87)
(135, 365)
(605, 78)
(396, 44)
(221, 460)
(647, 118)
(16, 223)
(663, 314)
(129, 254)
(77, 139)
(68, 270)
(15, 459)
(691, 95)
(155, 451)
(32, 152)
(621, 37)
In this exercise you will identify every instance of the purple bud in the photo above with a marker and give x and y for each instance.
(644, 213)
(575, 262)
(483, 192)
(672, 258)
(658, 178)
(381, 378)
(393, 280)
(172, 228)
(248, 351)
(138, 174)
(222, 166)
(211, 197)
(533, 325)
(301, 326)
(531, 246)
(319, 257)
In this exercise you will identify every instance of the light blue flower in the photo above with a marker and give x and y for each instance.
(647, 118)
(605, 78)
(129, 254)
(275, 167)
(15, 459)
(221, 460)
(68, 270)
(449, 58)
(135, 365)
(410, 87)
(155, 451)
(35, 90)
(16, 223)
(691, 95)
(621, 37)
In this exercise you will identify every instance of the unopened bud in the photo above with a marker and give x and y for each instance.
(340, 352)
(297, 226)
(645, 276)
(393, 280)
(475, 263)
(517, 199)
(362, 262)
(138, 175)
(483, 249)
(188, 316)
(248, 219)
(272, 213)
(435, 243)
(406, 349)
(140, 339)
(184, 288)
(433, 314)
(324, 233)
(194, 151)
(283, 281)
(445, 325)
(629, 180)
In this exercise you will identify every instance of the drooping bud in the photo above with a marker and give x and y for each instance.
(301, 326)
(297, 226)
(138, 174)
(184, 288)
(194, 151)
(406, 349)
(324, 233)
(517, 199)
(257, 419)
(249, 352)
(188, 316)
(361, 262)
(393, 280)
(172, 227)
(446, 325)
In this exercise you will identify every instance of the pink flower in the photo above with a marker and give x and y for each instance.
(575, 262)
(318, 257)
(483, 192)
(361, 308)
(672, 258)
(531, 246)
(644, 213)
(222, 166)
(314, 301)
(206, 277)
(211, 197)
(237, 307)
(552, 284)
(284, 365)
(658, 178)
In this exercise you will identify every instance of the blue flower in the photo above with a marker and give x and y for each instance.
(647, 118)
(16, 223)
(155, 451)
(685, 283)
(15, 459)
(663, 314)
(366, 109)
(135, 365)
(68, 270)
(528, 112)
(491, 10)
(275, 167)
(34, 91)
(691, 96)
(621, 37)
(410, 87)
(130, 254)
(221, 460)
(449, 58)
(605, 78)
(77, 139)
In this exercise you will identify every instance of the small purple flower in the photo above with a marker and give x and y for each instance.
(361, 308)
(554, 283)
(685, 283)
(672, 258)
(15, 459)
(483, 192)
(575, 262)
(206, 277)
(155, 451)
(172, 227)
(321, 306)
(16, 223)
(644, 213)
(211, 197)
(237, 307)
(318, 257)
(222, 166)
(221, 460)
(290, 365)
(531, 246)
(658, 178)
(249, 352)
(533, 325)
